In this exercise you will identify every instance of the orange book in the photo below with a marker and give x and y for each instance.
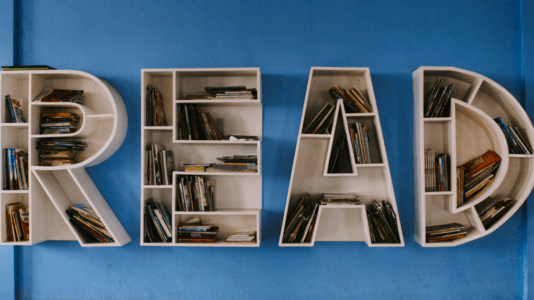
(480, 163)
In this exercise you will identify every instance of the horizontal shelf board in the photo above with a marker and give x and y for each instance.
(295, 245)
(352, 115)
(437, 119)
(217, 173)
(24, 243)
(439, 193)
(378, 245)
(60, 135)
(342, 206)
(220, 102)
(15, 191)
(221, 212)
(521, 155)
(370, 165)
(101, 116)
(94, 245)
(214, 142)
(340, 174)
(219, 244)
(315, 136)
(15, 124)
(156, 244)
(157, 127)
(147, 186)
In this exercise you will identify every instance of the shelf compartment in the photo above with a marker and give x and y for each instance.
(340, 136)
(12, 137)
(163, 81)
(83, 128)
(229, 120)
(165, 197)
(23, 199)
(193, 81)
(231, 192)
(374, 141)
(331, 218)
(17, 86)
(228, 223)
(464, 84)
(92, 91)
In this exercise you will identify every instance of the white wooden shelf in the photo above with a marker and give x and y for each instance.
(238, 195)
(52, 190)
(312, 155)
(467, 133)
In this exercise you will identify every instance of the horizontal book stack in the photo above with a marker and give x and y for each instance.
(236, 163)
(159, 165)
(383, 223)
(301, 223)
(352, 98)
(196, 193)
(437, 171)
(445, 232)
(322, 121)
(18, 223)
(225, 93)
(438, 101)
(57, 95)
(360, 143)
(193, 231)
(57, 152)
(492, 209)
(339, 199)
(193, 124)
(517, 144)
(88, 221)
(155, 112)
(248, 237)
(57, 121)
(15, 169)
(157, 223)
(15, 110)
(477, 174)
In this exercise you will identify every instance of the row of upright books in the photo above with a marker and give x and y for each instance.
(476, 175)
(193, 124)
(154, 110)
(159, 165)
(438, 100)
(196, 193)
(235, 163)
(15, 169)
(517, 143)
(157, 223)
(437, 171)
(17, 222)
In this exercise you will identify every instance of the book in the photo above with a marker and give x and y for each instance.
(226, 93)
(86, 220)
(15, 169)
(300, 224)
(493, 208)
(322, 121)
(154, 108)
(157, 227)
(15, 110)
(58, 95)
(437, 101)
(353, 99)
(195, 193)
(359, 137)
(445, 232)
(17, 222)
(383, 223)
(26, 68)
(58, 152)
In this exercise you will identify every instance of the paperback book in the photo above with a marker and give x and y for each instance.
(17, 222)
(157, 223)
(15, 169)
(88, 222)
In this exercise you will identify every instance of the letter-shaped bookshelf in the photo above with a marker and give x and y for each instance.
(238, 195)
(465, 133)
(53, 189)
(310, 173)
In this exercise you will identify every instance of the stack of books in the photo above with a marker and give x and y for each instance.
(339, 199)
(15, 110)
(193, 231)
(300, 224)
(517, 144)
(245, 237)
(492, 209)
(196, 193)
(193, 124)
(56, 121)
(15, 169)
(157, 223)
(87, 221)
(445, 232)
(322, 122)
(353, 99)
(437, 171)
(154, 111)
(18, 223)
(56, 95)
(437, 103)
(338, 150)
(360, 143)
(226, 93)
(236, 163)
(57, 152)
(477, 175)
(25, 68)
(195, 167)
(383, 224)
(159, 165)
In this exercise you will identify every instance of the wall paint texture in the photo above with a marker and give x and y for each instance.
(115, 39)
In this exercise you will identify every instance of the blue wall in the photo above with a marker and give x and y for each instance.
(115, 39)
